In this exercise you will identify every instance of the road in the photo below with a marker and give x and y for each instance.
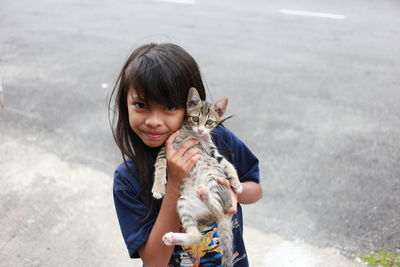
(316, 98)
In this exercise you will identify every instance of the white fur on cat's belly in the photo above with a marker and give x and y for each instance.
(201, 176)
(198, 208)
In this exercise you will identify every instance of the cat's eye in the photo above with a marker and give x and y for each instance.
(209, 122)
(195, 119)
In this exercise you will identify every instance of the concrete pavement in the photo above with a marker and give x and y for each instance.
(315, 99)
(61, 214)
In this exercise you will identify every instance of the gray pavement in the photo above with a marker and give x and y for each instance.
(315, 98)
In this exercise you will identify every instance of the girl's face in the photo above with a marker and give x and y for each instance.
(151, 122)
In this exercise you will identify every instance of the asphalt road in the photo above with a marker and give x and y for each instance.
(316, 98)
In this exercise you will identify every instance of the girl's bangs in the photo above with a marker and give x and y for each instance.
(157, 83)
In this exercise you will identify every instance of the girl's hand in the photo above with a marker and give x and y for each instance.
(180, 162)
(233, 208)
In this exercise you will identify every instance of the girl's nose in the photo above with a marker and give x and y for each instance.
(153, 120)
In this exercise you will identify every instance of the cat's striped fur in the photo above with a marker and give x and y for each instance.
(203, 200)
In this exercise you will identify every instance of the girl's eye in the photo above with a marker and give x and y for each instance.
(195, 119)
(170, 108)
(209, 122)
(139, 105)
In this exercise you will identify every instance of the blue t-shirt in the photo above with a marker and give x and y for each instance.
(132, 209)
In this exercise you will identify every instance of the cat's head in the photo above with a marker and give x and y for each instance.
(203, 116)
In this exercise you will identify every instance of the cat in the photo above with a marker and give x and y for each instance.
(203, 200)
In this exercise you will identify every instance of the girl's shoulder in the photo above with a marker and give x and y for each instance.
(125, 177)
(223, 137)
(236, 152)
(220, 132)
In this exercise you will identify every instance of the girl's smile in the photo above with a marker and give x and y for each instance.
(153, 136)
(151, 122)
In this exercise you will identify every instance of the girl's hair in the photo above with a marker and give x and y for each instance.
(161, 74)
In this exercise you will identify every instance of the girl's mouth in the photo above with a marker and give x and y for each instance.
(153, 135)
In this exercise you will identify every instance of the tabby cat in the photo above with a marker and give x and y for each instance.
(203, 200)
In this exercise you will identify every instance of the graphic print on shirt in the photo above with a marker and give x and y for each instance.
(207, 252)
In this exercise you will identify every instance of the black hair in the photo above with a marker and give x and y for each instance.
(160, 74)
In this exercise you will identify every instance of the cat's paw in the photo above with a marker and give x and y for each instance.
(158, 195)
(237, 187)
(202, 193)
(158, 190)
(171, 239)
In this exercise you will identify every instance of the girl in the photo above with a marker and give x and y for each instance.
(150, 100)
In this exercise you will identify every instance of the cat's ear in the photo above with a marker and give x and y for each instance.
(220, 106)
(193, 98)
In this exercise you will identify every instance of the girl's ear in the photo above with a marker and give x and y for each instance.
(220, 106)
(193, 98)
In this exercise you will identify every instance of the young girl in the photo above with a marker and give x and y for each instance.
(150, 100)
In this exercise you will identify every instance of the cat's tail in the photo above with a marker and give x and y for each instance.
(223, 220)
(226, 240)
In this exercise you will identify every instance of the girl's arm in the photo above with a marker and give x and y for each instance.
(252, 192)
(167, 221)
(154, 253)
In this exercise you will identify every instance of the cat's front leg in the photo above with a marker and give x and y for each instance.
(160, 175)
(233, 178)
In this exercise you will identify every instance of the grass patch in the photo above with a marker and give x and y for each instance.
(382, 259)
